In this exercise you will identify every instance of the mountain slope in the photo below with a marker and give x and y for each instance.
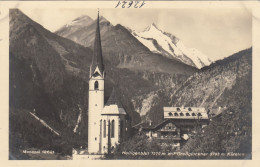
(170, 46)
(231, 131)
(75, 25)
(120, 48)
(49, 75)
(36, 135)
(207, 87)
(50, 64)
(44, 75)
(225, 85)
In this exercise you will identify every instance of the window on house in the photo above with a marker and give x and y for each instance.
(113, 129)
(96, 85)
(104, 129)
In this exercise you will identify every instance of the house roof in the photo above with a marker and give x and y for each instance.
(113, 100)
(184, 109)
(177, 122)
(113, 110)
(113, 106)
(185, 113)
(150, 125)
(97, 59)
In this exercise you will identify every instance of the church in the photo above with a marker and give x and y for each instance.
(107, 122)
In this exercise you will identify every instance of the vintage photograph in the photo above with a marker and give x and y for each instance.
(120, 84)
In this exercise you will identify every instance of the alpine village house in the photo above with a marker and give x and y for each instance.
(177, 126)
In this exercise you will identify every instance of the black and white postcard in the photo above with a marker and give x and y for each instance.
(130, 80)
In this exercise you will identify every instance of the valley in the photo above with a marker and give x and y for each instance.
(49, 75)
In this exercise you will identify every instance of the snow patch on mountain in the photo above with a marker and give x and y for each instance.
(162, 39)
(78, 120)
(45, 124)
(170, 46)
(148, 43)
(197, 57)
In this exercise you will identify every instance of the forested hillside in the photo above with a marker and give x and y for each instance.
(49, 76)
(229, 133)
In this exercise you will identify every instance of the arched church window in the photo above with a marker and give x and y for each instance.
(181, 114)
(104, 129)
(113, 129)
(170, 114)
(96, 85)
(193, 114)
(176, 114)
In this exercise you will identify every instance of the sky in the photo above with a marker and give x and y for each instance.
(217, 33)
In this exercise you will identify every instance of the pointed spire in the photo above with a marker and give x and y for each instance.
(97, 59)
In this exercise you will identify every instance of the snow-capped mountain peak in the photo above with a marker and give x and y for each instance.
(79, 21)
(151, 27)
(170, 46)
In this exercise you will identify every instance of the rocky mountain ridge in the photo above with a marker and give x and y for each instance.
(123, 50)
(170, 46)
(152, 38)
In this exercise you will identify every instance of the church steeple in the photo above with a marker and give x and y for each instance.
(97, 59)
(101, 118)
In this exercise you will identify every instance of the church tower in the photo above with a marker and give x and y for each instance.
(96, 95)
(106, 123)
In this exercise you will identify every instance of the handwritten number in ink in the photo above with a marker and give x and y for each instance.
(129, 4)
